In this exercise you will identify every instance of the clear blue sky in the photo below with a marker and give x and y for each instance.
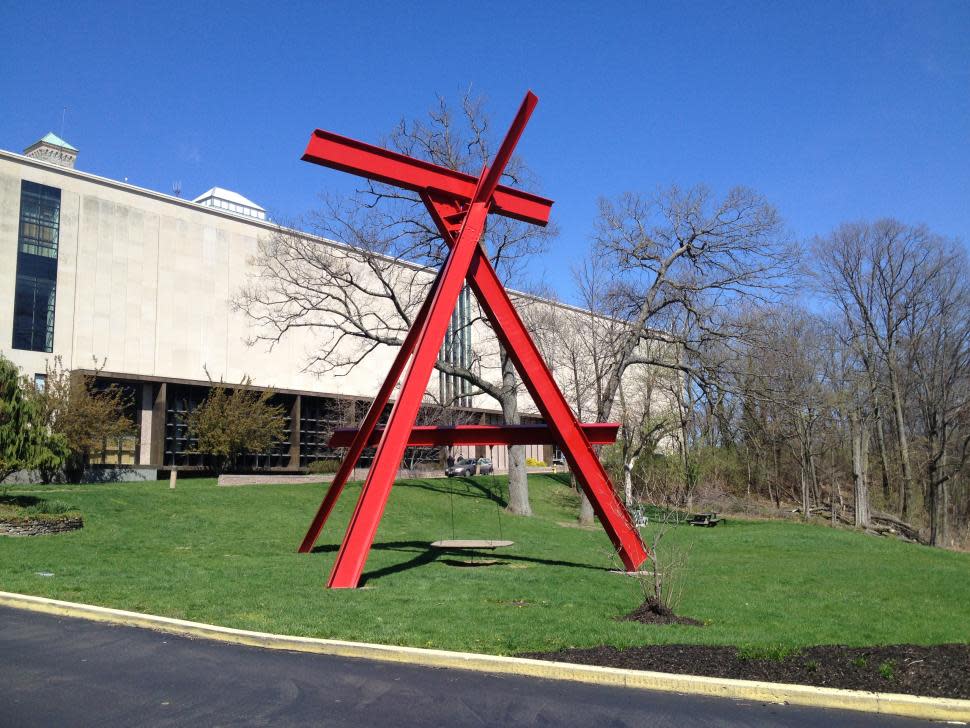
(835, 111)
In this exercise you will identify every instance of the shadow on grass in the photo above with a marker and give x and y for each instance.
(565, 498)
(24, 501)
(563, 478)
(425, 554)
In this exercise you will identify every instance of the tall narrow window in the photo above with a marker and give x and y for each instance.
(33, 309)
(457, 350)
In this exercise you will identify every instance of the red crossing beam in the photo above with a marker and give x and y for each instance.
(382, 165)
(598, 433)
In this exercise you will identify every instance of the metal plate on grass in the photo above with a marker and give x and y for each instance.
(469, 544)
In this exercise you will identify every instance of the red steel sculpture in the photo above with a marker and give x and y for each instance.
(459, 205)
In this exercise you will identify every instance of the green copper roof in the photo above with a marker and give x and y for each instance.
(56, 141)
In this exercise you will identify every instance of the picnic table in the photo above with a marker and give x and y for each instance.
(704, 519)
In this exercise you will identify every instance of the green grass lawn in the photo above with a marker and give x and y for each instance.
(228, 556)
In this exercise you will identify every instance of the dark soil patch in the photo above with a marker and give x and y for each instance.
(653, 612)
(937, 671)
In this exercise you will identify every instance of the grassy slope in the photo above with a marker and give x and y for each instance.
(227, 556)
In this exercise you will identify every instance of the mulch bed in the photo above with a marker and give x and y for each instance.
(936, 671)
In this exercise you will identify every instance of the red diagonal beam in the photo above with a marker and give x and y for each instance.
(358, 443)
(373, 497)
(598, 433)
(583, 461)
(383, 165)
(380, 478)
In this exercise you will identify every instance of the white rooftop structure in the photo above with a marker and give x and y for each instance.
(53, 149)
(232, 201)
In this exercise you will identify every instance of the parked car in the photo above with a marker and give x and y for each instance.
(559, 461)
(462, 467)
(485, 466)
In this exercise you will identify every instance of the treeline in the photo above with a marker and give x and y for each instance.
(848, 394)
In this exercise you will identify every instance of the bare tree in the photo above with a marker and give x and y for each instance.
(937, 334)
(786, 373)
(595, 348)
(850, 389)
(645, 418)
(802, 391)
(877, 275)
(362, 295)
(684, 263)
(681, 264)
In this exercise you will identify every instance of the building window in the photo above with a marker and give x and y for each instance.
(181, 449)
(33, 314)
(319, 417)
(35, 292)
(40, 217)
(457, 350)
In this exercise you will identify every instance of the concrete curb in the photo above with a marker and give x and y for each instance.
(885, 703)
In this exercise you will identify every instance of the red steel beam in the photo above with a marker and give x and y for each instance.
(598, 433)
(358, 443)
(576, 448)
(383, 165)
(380, 478)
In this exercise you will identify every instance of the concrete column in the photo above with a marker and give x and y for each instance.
(145, 423)
(159, 407)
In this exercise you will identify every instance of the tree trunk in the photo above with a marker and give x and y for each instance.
(806, 502)
(906, 487)
(880, 429)
(883, 454)
(586, 514)
(835, 506)
(803, 466)
(775, 492)
(859, 481)
(816, 487)
(628, 482)
(938, 496)
(688, 498)
(938, 515)
(518, 477)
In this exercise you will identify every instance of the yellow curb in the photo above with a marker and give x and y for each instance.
(912, 706)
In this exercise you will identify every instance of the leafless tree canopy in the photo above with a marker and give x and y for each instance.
(684, 263)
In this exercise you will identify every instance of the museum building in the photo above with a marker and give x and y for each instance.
(136, 286)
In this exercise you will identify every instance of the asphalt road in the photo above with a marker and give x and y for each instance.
(71, 672)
